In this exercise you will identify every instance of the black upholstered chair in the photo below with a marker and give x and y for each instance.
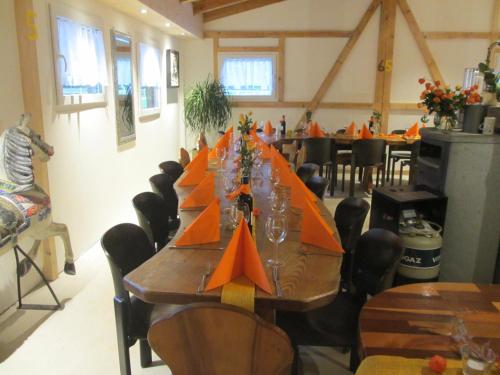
(163, 185)
(318, 185)
(306, 171)
(172, 169)
(350, 216)
(367, 153)
(340, 155)
(127, 246)
(407, 158)
(375, 261)
(152, 213)
(318, 151)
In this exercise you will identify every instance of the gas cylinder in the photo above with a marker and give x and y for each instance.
(422, 254)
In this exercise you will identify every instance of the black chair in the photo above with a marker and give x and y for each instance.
(127, 246)
(340, 131)
(318, 185)
(350, 216)
(340, 155)
(409, 160)
(306, 171)
(163, 185)
(318, 151)
(396, 153)
(367, 153)
(152, 213)
(375, 261)
(172, 169)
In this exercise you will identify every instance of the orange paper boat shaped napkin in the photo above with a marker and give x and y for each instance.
(245, 189)
(203, 194)
(195, 174)
(265, 151)
(268, 128)
(223, 142)
(413, 131)
(240, 258)
(315, 231)
(204, 229)
(201, 157)
(351, 129)
(315, 131)
(365, 132)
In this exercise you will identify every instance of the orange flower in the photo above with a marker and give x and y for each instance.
(439, 92)
(428, 85)
(438, 364)
(475, 87)
(467, 92)
(436, 100)
(422, 95)
(421, 80)
(437, 83)
(256, 212)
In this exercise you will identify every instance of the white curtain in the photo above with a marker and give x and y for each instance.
(239, 73)
(149, 65)
(82, 49)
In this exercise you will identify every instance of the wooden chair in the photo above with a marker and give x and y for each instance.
(218, 339)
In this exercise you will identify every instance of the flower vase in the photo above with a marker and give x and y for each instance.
(446, 123)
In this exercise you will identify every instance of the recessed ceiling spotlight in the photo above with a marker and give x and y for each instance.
(144, 11)
(168, 24)
(183, 33)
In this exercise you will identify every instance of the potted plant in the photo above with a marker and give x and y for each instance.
(490, 78)
(207, 107)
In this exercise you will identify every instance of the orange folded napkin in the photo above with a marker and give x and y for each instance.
(268, 128)
(265, 151)
(244, 188)
(254, 126)
(351, 129)
(277, 160)
(203, 194)
(204, 229)
(195, 174)
(201, 157)
(365, 132)
(412, 131)
(240, 258)
(222, 142)
(315, 231)
(315, 131)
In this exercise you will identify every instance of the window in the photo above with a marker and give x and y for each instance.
(149, 79)
(80, 62)
(249, 76)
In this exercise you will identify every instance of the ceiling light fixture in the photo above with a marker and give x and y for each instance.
(168, 24)
(143, 11)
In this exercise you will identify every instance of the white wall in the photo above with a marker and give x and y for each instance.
(92, 180)
(307, 60)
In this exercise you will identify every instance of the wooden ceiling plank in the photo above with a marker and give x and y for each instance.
(236, 8)
(207, 5)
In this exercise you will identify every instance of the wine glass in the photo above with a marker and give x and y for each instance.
(276, 231)
(279, 202)
(275, 176)
(239, 210)
(228, 183)
(221, 155)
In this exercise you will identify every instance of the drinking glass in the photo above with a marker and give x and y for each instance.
(275, 176)
(279, 202)
(476, 360)
(276, 230)
(221, 155)
(228, 183)
(239, 210)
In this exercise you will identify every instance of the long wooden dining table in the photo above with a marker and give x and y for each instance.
(309, 279)
(418, 320)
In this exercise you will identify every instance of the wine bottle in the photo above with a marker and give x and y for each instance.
(245, 197)
(283, 125)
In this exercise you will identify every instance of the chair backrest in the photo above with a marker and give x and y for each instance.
(376, 259)
(126, 246)
(215, 339)
(368, 151)
(184, 157)
(172, 169)
(306, 171)
(318, 150)
(399, 131)
(340, 131)
(163, 185)
(152, 213)
(318, 185)
(350, 216)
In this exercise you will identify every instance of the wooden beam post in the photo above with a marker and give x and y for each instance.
(281, 68)
(421, 42)
(27, 34)
(385, 61)
(325, 85)
(216, 57)
(494, 28)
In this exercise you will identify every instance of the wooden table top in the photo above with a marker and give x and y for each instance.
(416, 320)
(339, 138)
(173, 275)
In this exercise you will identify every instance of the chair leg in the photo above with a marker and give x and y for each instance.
(122, 337)
(352, 181)
(354, 358)
(145, 351)
(343, 177)
(360, 174)
(392, 171)
(401, 174)
(388, 163)
(383, 175)
(321, 170)
(378, 176)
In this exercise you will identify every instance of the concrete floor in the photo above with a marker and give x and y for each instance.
(81, 338)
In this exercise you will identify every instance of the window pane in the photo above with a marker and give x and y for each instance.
(248, 76)
(150, 76)
(82, 62)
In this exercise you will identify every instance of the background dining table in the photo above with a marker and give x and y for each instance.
(308, 279)
(418, 320)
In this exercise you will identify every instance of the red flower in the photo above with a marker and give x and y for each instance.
(436, 100)
(421, 80)
(437, 364)
(428, 85)
(437, 83)
(256, 212)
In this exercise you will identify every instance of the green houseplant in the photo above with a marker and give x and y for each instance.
(207, 107)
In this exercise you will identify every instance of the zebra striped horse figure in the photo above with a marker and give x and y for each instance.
(24, 207)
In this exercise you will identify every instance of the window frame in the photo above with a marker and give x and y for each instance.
(145, 112)
(76, 102)
(250, 54)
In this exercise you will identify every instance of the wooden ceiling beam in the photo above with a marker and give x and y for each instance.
(236, 8)
(278, 34)
(207, 5)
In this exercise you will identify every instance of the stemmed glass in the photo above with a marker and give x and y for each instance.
(221, 155)
(279, 202)
(275, 176)
(239, 210)
(276, 231)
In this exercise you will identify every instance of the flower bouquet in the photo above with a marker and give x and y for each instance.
(445, 102)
